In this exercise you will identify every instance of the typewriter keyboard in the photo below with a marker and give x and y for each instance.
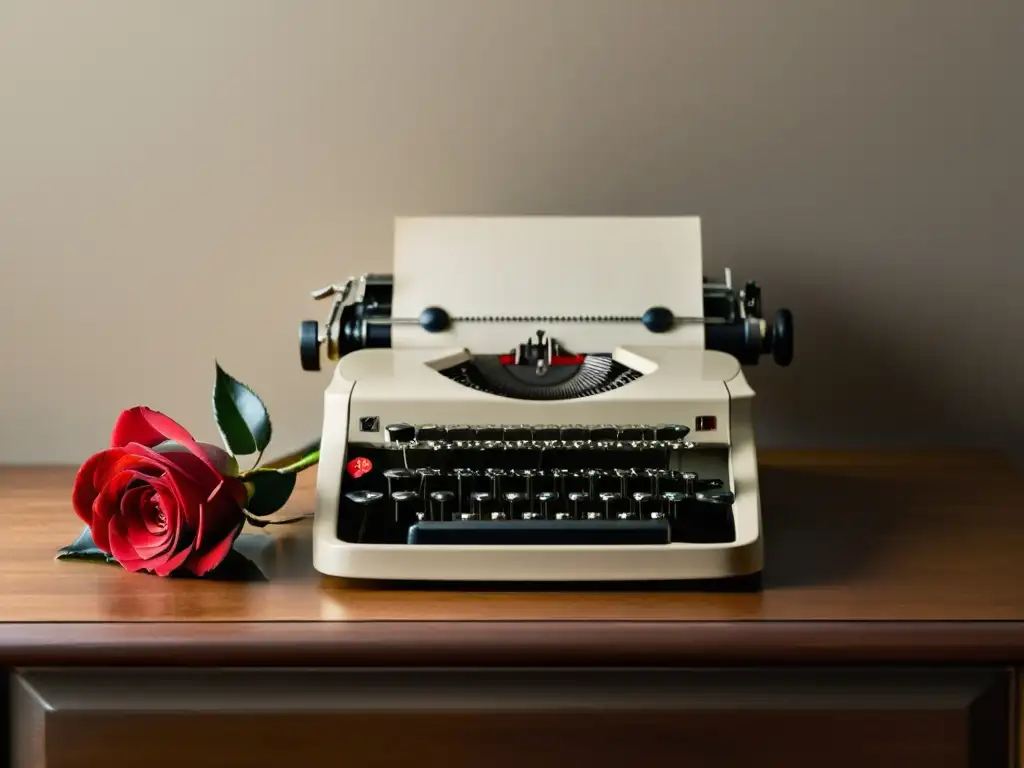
(635, 494)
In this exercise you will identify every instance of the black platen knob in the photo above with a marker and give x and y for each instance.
(658, 319)
(782, 337)
(309, 345)
(434, 320)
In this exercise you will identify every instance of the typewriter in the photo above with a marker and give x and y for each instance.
(556, 399)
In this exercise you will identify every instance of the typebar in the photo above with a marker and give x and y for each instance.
(541, 532)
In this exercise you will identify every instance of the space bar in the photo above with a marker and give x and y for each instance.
(541, 532)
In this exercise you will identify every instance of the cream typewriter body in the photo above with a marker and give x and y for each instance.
(541, 399)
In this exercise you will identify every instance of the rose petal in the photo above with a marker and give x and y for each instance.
(188, 497)
(221, 512)
(106, 506)
(169, 429)
(147, 537)
(121, 547)
(132, 427)
(223, 462)
(88, 481)
(178, 463)
(171, 564)
(178, 530)
(203, 562)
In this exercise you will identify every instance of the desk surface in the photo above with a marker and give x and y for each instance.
(889, 554)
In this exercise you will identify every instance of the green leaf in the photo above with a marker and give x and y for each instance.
(84, 548)
(241, 416)
(268, 491)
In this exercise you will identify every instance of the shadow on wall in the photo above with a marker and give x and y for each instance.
(867, 377)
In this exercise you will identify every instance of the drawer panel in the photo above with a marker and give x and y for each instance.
(77, 718)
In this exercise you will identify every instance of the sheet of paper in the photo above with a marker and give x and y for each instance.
(550, 266)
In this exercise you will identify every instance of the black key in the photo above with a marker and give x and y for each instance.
(604, 432)
(430, 432)
(489, 433)
(513, 434)
(716, 497)
(671, 432)
(574, 433)
(546, 433)
(364, 497)
(461, 433)
(541, 532)
(400, 433)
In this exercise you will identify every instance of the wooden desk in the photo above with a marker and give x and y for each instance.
(888, 633)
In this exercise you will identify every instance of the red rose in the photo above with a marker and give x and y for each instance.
(157, 500)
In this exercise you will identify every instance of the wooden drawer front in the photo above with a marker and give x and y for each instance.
(470, 719)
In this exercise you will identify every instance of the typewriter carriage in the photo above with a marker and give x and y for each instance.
(360, 318)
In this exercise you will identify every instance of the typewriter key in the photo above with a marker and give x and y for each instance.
(656, 475)
(673, 498)
(364, 497)
(496, 473)
(461, 474)
(689, 480)
(716, 497)
(529, 474)
(481, 498)
(593, 475)
(576, 497)
(640, 497)
(402, 499)
(442, 498)
(608, 497)
(604, 433)
(623, 475)
(545, 498)
(397, 474)
(426, 472)
(514, 498)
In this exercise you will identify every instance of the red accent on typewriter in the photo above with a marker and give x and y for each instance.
(359, 467)
(555, 360)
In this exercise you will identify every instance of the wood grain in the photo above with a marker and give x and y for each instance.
(892, 717)
(883, 556)
(847, 536)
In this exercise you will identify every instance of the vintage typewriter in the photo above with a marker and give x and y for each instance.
(541, 399)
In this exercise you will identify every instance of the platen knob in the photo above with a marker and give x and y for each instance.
(309, 345)
(782, 337)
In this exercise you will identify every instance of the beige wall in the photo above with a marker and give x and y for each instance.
(176, 175)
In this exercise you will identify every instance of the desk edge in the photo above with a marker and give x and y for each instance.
(508, 643)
